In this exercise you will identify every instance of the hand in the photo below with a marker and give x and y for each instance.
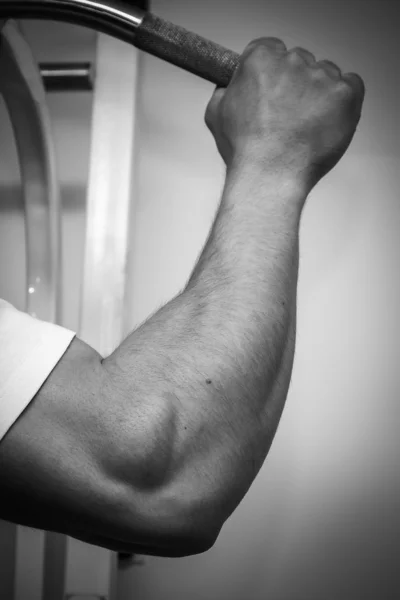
(285, 111)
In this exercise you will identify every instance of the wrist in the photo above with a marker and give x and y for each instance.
(269, 178)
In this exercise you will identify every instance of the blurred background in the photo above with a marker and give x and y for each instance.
(322, 519)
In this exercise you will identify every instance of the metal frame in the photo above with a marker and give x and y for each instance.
(22, 89)
(117, 18)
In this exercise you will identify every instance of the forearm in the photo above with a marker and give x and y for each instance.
(215, 362)
(245, 283)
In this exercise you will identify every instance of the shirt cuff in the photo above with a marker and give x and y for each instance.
(29, 351)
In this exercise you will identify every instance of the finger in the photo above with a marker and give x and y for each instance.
(330, 67)
(213, 105)
(307, 56)
(273, 43)
(356, 82)
(358, 87)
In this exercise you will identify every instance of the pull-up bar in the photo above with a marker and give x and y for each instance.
(130, 23)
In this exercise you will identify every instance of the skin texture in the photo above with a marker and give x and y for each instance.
(152, 448)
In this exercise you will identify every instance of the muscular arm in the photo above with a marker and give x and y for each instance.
(152, 448)
(219, 356)
(157, 444)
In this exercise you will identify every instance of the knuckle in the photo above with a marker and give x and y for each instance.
(264, 45)
(256, 58)
(355, 82)
(318, 74)
(268, 42)
(344, 89)
(298, 55)
(294, 57)
(259, 51)
(274, 42)
(330, 67)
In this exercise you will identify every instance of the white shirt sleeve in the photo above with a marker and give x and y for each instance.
(29, 351)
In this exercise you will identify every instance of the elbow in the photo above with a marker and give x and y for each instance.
(196, 544)
(203, 540)
(190, 547)
(156, 521)
(151, 506)
(200, 546)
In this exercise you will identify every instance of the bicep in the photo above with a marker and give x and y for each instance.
(49, 470)
(72, 460)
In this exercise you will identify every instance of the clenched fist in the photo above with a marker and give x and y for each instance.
(285, 111)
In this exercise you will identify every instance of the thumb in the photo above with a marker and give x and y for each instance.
(212, 107)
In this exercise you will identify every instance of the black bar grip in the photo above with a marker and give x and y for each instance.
(185, 49)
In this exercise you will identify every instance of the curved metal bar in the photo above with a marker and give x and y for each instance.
(116, 18)
(22, 88)
(130, 23)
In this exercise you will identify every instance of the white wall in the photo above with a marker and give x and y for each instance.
(321, 520)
